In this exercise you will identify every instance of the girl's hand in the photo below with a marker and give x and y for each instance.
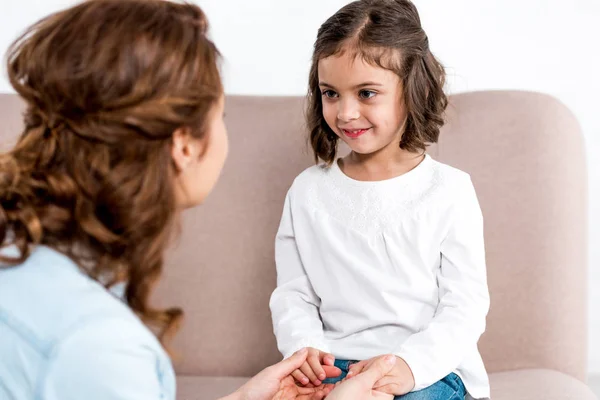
(275, 382)
(317, 367)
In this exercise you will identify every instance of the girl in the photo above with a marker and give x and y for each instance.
(381, 251)
(123, 130)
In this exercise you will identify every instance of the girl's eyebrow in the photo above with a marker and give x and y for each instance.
(360, 85)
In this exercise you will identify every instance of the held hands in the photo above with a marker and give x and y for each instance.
(379, 378)
(398, 381)
(276, 382)
(317, 367)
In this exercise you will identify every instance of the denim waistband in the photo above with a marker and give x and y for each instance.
(344, 365)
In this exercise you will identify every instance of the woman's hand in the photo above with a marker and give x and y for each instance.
(276, 382)
(361, 386)
(398, 381)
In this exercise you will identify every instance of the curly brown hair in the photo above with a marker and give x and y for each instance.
(388, 34)
(106, 83)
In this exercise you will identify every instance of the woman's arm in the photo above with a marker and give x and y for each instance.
(107, 359)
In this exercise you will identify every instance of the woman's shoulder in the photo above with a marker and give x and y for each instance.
(79, 335)
(48, 297)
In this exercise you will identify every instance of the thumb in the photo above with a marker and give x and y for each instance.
(289, 365)
(380, 368)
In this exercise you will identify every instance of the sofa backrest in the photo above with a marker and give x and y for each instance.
(525, 154)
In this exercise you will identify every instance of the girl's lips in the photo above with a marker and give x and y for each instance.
(354, 133)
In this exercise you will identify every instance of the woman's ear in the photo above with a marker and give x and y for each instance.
(186, 149)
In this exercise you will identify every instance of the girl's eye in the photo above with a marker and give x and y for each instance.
(366, 94)
(329, 93)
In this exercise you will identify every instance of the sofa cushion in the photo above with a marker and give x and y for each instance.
(537, 384)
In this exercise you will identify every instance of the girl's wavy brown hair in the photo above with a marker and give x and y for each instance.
(106, 83)
(388, 34)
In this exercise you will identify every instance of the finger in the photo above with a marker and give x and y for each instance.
(315, 365)
(328, 388)
(331, 372)
(394, 385)
(327, 359)
(363, 366)
(300, 377)
(391, 388)
(378, 370)
(287, 366)
(369, 363)
(308, 390)
(318, 395)
(381, 396)
(356, 369)
(387, 380)
(307, 370)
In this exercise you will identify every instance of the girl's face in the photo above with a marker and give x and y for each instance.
(362, 103)
(199, 161)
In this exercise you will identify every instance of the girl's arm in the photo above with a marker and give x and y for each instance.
(463, 292)
(294, 304)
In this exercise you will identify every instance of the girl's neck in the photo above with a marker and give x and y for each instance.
(380, 165)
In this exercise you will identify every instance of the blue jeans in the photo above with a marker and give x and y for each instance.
(449, 388)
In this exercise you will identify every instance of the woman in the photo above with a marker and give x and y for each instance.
(123, 131)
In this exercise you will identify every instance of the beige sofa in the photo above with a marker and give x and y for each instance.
(525, 154)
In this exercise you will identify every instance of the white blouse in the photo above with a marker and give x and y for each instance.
(393, 266)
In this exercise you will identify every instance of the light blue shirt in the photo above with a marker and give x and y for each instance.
(63, 336)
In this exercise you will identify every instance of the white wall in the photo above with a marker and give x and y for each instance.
(549, 46)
